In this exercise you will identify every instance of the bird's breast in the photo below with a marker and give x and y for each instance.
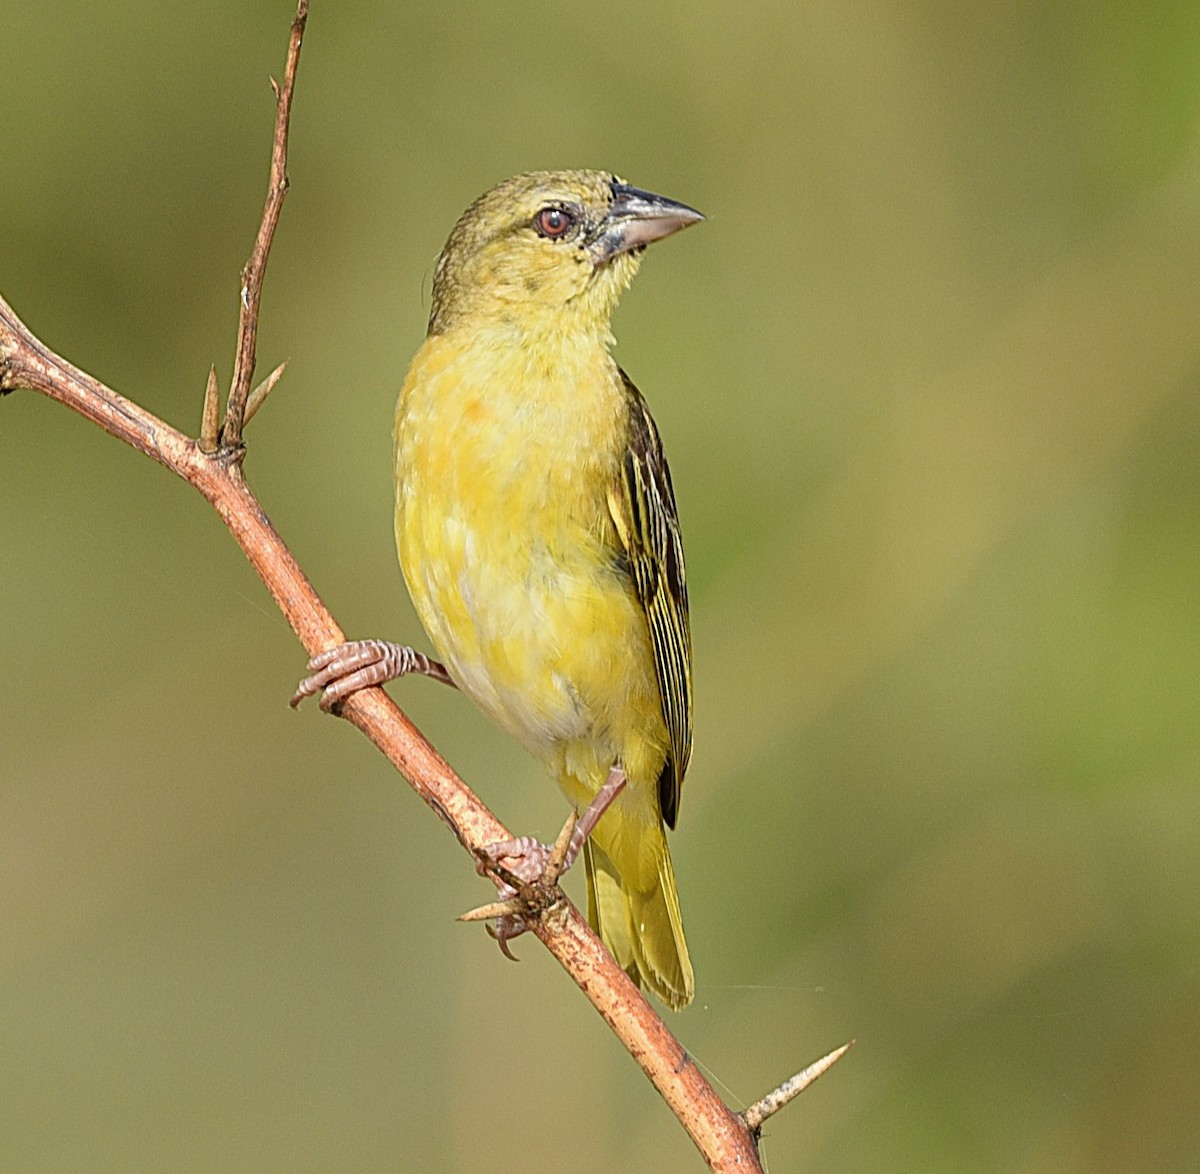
(503, 461)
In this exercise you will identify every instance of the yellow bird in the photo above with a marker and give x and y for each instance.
(537, 532)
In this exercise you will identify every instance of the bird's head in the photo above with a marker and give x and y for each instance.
(561, 245)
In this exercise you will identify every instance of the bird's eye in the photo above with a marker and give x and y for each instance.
(553, 222)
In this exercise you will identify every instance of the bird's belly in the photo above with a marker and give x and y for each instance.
(538, 635)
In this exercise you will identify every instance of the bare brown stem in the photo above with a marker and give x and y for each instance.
(25, 362)
(727, 1140)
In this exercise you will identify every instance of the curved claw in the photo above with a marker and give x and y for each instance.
(505, 929)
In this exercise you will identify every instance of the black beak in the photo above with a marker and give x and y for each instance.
(636, 218)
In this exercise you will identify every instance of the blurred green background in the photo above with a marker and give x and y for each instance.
(928, 381)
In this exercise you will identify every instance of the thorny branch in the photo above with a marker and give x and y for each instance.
(728, 1140)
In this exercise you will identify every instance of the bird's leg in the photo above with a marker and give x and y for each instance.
(518, 866)
(359, 664)
(601, 802)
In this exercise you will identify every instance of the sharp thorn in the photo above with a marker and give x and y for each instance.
(258, 396)
(558, 854)
(210, 416)
(507, 908)
(758, 1112)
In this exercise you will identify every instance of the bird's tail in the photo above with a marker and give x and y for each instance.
(640, 922)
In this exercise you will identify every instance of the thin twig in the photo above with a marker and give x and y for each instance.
(255, 268)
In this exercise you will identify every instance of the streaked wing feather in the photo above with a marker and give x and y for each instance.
(643, 509)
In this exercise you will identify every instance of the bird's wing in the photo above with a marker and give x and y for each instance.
(642, 505)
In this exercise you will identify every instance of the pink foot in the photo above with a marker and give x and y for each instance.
(518, 867)
(359, 664)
